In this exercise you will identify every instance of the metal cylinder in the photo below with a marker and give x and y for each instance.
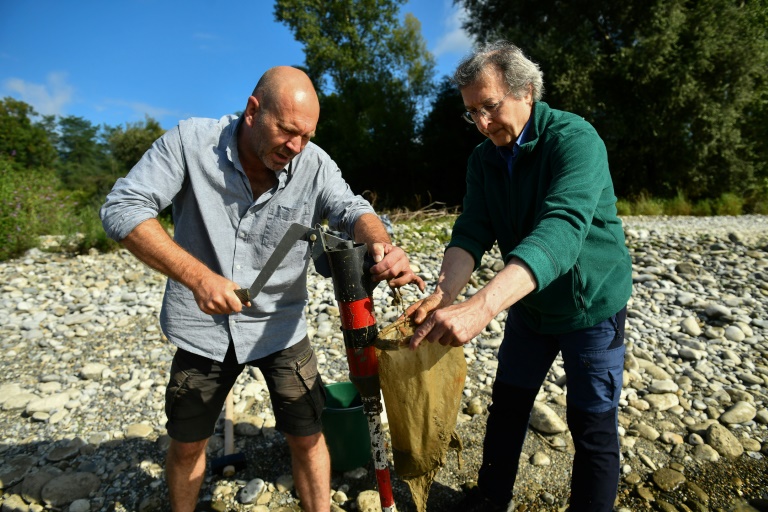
(353, 288)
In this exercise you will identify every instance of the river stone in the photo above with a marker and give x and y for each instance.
(138, 430)
(48, 403)
(92, 371)
(81, 505)
(668, 479)
(690, 326)
(19, 401)
(251, 492)
(12, 471)
(544, 419)
(33, 483)
(698, 493)
(740, 412)
(64, 451)
(540, 459)
(14, 503)
(724, 442)
(733, 333)
(663, 386)
(646, 431)
(8, 390)
(662, 402)
(705, 453)
(717, 311)
(368, 501)
(69, 487)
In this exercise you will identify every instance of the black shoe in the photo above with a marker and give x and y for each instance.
(475, 501)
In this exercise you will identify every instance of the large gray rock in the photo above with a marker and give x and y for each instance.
(69, 487)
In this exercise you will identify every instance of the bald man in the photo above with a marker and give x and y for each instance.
(235, 185)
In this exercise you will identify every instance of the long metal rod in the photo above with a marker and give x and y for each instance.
(353, 289)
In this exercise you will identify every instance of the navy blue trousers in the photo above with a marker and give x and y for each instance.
(593, 360)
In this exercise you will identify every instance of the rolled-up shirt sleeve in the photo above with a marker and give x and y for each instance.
(147, 189)
(340, 205)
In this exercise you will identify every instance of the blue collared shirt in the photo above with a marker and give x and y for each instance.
(510, 155)
(195, 168)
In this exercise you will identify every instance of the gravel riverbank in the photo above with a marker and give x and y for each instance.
(84, 367)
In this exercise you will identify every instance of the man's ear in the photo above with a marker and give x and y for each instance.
(251, 109)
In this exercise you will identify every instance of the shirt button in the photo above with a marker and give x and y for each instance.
(242, 234)
(238, 267)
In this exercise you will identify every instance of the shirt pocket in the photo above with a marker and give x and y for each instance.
(279, 219)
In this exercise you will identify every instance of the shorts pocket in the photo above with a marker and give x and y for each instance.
(175, 391)
(309, 377)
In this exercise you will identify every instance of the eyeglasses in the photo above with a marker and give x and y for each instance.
(488, 112)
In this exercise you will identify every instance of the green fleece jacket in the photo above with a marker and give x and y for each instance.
(557, 213)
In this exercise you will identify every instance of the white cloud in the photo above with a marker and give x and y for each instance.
(50, 98)
(455, 39)
(140, 109)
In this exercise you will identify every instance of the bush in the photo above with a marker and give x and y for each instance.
(703, 208)
(678, 205)
(729, 204)
(623, 207)
(646, 205)
(86, 232)
(30, 205)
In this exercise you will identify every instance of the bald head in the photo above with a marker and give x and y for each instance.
(279, 119)
(285, 85)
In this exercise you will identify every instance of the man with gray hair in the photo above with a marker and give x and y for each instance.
(540, 187)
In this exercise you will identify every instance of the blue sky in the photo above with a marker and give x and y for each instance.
(113, 61)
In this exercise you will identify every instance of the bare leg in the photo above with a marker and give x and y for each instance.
(184, 472)
(311, 471)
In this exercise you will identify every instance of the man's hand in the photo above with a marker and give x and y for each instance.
(452, 325)
(215, 295)
(392, 265)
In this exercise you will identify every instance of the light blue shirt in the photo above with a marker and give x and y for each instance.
(195, 168)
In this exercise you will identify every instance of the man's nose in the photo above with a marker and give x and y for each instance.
(295, 144)
(482, 122)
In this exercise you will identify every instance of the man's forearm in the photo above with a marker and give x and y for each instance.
(455, 272)
(369, 230)
(514, 282)
(151, 244)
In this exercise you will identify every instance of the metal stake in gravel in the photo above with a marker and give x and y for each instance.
(353, 290)
(348, 264)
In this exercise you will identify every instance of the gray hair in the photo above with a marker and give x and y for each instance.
(520, 73)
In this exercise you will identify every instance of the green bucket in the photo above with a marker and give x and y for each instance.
(345, 427)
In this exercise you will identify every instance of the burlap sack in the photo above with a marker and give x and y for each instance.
(422, 391)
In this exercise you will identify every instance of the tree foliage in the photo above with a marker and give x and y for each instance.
(676, 88)
(23, 142)
(372, 73)
(446, 143)
(127, 145)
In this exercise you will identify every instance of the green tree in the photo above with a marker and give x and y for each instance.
(677, 89)
(24, 143)
(372, 72)
(85, 164)
(446, 143)
(127, 145)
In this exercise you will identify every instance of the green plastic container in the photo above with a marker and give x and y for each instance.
(345, 427)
